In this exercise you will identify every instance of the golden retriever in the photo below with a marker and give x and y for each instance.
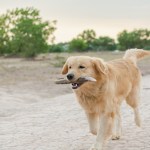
(115, 81)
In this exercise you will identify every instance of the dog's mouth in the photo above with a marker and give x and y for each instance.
(81, 81)
(76, 85)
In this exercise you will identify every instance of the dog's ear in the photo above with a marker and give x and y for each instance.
(65, 68)
(99, 65)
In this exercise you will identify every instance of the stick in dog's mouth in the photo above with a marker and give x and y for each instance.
(82, 80)
(77, 83)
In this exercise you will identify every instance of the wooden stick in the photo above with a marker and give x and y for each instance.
(80, 80)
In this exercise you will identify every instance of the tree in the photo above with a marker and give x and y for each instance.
(26, 33)
(56, 48)
(4, 34)
(78, 45)
(87, 35)
(134, 39)
(104, 43)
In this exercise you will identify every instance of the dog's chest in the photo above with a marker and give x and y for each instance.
(90, 102)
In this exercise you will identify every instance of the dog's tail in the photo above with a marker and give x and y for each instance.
(136, 54)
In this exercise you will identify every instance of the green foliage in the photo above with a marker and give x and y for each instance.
(4, 36)
(93, 43)
(24, 33)
(104, 43)
(87, 35)
(56, 48)
(78, 45)
(134, 39)
(87, 41)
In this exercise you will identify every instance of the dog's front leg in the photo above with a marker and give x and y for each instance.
(117, 129)
(93, 119)
(105, 131)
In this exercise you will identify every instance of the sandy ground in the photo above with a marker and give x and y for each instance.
(35, 114)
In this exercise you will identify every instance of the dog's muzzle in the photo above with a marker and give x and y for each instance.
(81, 81)
(77, 83)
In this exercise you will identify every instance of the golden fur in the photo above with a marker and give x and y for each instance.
(115, 81)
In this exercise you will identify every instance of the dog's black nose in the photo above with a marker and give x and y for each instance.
(70, 76)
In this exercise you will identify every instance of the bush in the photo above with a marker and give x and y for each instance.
(134, 39)
(78, 45)
(24, 33)
(60, 47)
(56, 48)
(147, 47)
(104, 43)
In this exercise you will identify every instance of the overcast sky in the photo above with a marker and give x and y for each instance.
(106, 17)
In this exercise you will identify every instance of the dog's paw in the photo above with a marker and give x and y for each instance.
(116, 137)
(94, 132)
(96, 147)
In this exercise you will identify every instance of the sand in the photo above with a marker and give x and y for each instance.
(36, 114)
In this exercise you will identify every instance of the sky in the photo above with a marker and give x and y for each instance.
(105, 17)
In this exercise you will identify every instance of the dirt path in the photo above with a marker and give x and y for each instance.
(27, 123)
(29, 76)
(35, 113)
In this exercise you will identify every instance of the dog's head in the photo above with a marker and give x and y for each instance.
(83, 66)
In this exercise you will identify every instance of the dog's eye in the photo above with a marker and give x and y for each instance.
(69, 67)
(81, 67)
